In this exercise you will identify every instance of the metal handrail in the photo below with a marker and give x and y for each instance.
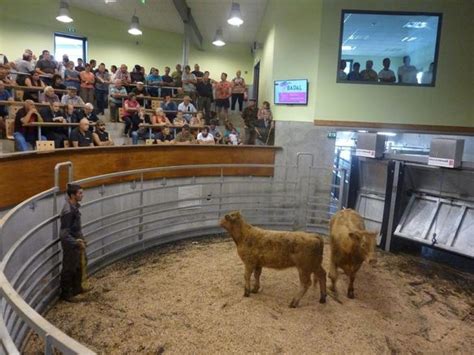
(24, 279)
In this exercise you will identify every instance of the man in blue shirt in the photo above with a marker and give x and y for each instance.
(4, 96)
(169, 105)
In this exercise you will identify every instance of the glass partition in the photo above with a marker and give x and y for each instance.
(389, 48)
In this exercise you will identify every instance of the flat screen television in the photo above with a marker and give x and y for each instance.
(291, 92)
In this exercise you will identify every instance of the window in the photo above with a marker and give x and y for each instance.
(74, 47)
(395, 48)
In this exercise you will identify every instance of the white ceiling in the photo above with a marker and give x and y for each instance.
(381, 35)
(162, 14)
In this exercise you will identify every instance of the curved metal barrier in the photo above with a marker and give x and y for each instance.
(128, 217)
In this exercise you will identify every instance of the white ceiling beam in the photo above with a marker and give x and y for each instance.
(188, 19)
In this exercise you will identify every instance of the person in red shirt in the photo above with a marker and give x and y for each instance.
(130, 107)
(223, 93)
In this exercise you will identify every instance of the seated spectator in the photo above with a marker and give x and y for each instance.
(187, 108)
(185, 136)
(4, 96)
(177, 76)
(427, 76)
(87, 77)
(189, 82)
(204, 137)
(169, 105)
(71, 76)
(72, 98)
(368, 74)
(139, 92)
(354, 75)
(167, 80)
(116, 93)
(179, 120)
(71, 115)
(341, 74)
(5, 75)
(153, 80)
(33, 82)
(25, 64)
(406, 72)
(54, 114)
(165, 136)
(89, 113)
(215, 132)
(46, 67)
(49, 96)
(137, 131)
(198, 120)
(26, 135)
(58, 85)
(130, 107)
(197, 72)
(123, 75)
(81, 136)
(80, 65)
(100, 136)
(231, 134)
(386, 75)
(137, 74)
(159, 118)
(102, 82)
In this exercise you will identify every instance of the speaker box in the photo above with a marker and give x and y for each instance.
(370, 145)
(446, 152)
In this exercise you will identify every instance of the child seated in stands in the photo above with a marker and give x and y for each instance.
(137, 130)
(198, 120)
(179, 121)
(231, 134)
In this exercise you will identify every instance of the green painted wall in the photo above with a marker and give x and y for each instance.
(449, 103)
(306, 44)
(31, 24)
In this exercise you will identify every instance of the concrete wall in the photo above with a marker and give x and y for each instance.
(31, 24)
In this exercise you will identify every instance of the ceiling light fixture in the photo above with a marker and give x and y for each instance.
(235, 17)
(416, 24)
(219, 38)
(135, 26)
(348, 48)
(63, 15)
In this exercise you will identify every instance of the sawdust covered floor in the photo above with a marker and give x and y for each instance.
(187, 298)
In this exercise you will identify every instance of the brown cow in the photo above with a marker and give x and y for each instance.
(278, 250)
(351, 244)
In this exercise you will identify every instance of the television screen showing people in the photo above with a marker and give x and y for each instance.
(388, 48)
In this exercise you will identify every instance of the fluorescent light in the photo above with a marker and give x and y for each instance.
(348, 48)
(408, 39)
(362, 131)
(388, 134)
(63, 15)
(235, 17)
(219, 38)
(411, 39)
(135, 26)
(416, 24)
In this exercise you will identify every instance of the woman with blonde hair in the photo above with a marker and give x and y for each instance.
(159, 118)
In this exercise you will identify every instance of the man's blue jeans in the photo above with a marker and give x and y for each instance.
(22, 141)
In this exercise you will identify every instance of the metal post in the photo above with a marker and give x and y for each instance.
(393, 201)
(186, 42)
(342, 182)
(140, 211)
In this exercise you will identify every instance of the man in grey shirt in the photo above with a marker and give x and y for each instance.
(189, 82)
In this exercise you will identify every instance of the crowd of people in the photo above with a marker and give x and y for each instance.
(191, 101)
(406, 74)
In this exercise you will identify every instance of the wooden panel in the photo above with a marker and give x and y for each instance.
(23, 175)
(402, 127)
